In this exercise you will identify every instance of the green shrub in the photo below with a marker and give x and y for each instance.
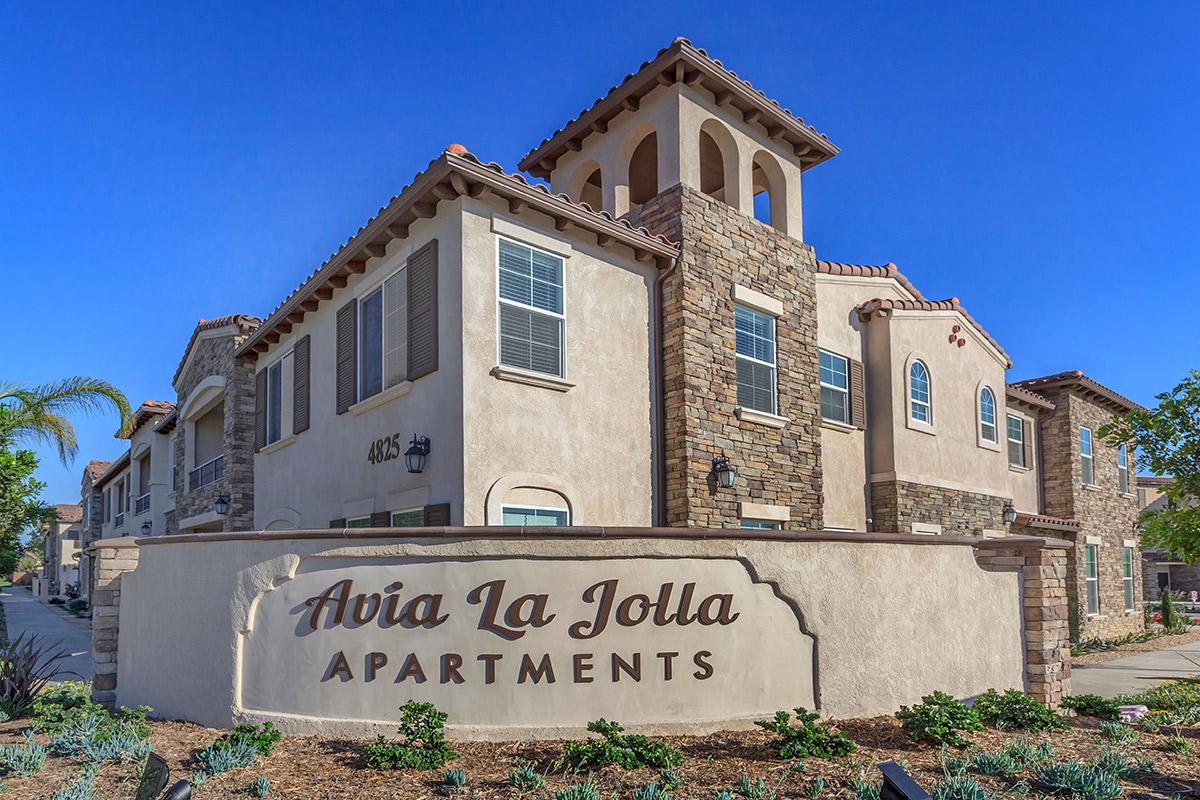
(630, 751)
(938, 718)
(754, 790)
(815, 787)
(961, 788)
(25, 759)
(525, 778)
(422, 746)
(864, 790)
(579, 791)
(952, 766)
(1117, 764)
(116, 745)
(262, 737)
(806, 739)
(1179, 745)
(650, 792)
(78, 787)
(1077, 780)
(261, 786)
(1014, 710)
(223, 756)
(1170, 616)
(722, 794)
(1181, 696)
(998, 765)
(1093, 705)
(1026, 753)
(454, 778)
(671, 778)
(1118, 733)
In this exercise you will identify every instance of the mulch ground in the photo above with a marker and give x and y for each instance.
(1161, 643)
(309, 768)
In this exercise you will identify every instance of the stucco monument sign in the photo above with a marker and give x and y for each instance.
(524, 642)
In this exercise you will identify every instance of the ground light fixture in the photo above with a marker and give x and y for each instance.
(221, 506)
(1010, 514)
(147, 526)
(414, 456)
(724, 471)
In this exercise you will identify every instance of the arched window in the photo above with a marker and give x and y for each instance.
(918, 392)
(643, 170)
(987, 415)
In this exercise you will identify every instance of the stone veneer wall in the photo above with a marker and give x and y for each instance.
(214, 356)
(1101, 510)
(896, 505)
(1044, 595)
(776, 466)
(1184, 578)
(113, 558)
(89, 534)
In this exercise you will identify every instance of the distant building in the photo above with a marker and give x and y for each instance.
(60, 551)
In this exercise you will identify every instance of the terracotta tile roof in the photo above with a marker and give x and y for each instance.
(147, 410)
(871, 307)
(1075, 379)
(67, 512)
(1023, 395)
(1155, 480)
(97, 468)
(888, 270)
(1043, 521)
(681, 61)
(168, 422)
(244, 322)
(114, 469)
(454, 173)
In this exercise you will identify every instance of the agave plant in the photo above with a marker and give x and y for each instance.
(27, 665)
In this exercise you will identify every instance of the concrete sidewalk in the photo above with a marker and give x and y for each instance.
(25, 614)
(1136, 672)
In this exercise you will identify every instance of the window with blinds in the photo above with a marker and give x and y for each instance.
(531, 309)
(1016, 442)
(835, 387)
(383, 337)
(755, 334)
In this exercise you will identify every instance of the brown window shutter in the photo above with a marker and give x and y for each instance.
(381, 519)
(1027, 444)
(340, 522)
(422, 311)
(300, 375)
(858, 395)
(260, 410)
(438, 515)
(347, 356)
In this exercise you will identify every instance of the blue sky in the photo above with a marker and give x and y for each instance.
(162, 163)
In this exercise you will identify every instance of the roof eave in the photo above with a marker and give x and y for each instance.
(808, 146)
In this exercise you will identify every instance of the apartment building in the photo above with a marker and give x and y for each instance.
(92, 503)
(60, 551)
(648, 340)
(137, 490)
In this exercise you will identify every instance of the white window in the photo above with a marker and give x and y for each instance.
(532, 311)
(408, 518)
(987, 415)
(835, 387)
(1127, 575)
(536, 515)
(761, 524)
(1016, 441)
(1092, 575)
(1122, 469)
(918, 389)
(279, 400)
(755, 334)
(1086, 462)
(383, 336)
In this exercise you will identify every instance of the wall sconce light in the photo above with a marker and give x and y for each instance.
(414, 456)
(221, 506)
(724, 471)
(147, 526)
(1010, 514)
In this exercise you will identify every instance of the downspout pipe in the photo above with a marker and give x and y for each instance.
(660, 394)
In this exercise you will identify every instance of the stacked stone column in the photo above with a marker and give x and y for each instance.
(112, 559)
(1042, 564)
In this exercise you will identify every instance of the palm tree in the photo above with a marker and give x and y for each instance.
(39, 414)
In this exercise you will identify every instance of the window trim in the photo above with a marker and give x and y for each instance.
(277, 364)
(1130, 593)
(1091, 455)
(918, 424)
(1009, 440)
(1122, 469)
(563, 338)
(984, 441)
(774, 366)
(844, 391)
(1091, 560)
(504, 509)
(379, 283)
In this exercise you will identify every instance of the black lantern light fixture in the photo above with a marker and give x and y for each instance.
(147, 526)
(414, 456)
(1010, 514)
(221, 506)
(724, 471)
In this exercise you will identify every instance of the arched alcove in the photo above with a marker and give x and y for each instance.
(587, 185)
(718, 162)
(643, 170)
(770, 198)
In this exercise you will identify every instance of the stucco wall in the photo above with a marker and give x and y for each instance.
(890, 621)
(1024, 481)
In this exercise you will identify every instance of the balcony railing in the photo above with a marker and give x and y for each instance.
(119, 520)
(206, 473)
(142, 504)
